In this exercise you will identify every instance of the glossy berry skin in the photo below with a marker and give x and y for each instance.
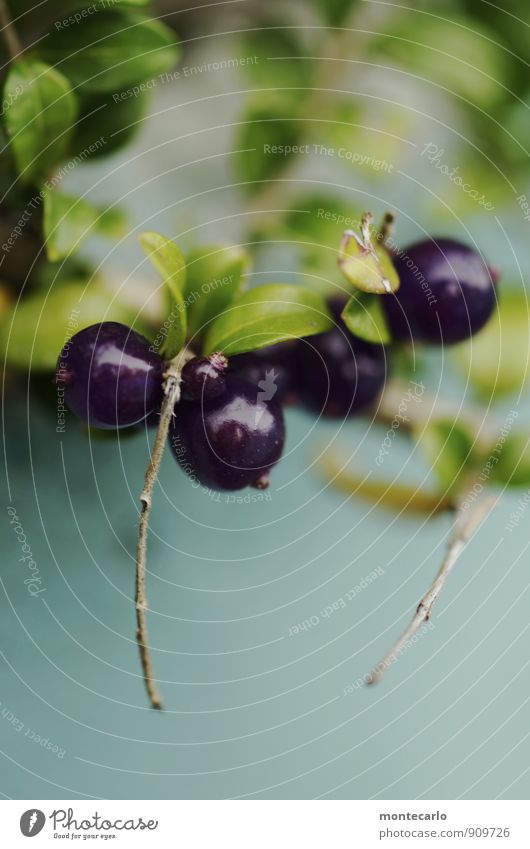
(203, 378)
(111, 379)
(446, 293)
(274, 364)
(231, 441)
(339, 374)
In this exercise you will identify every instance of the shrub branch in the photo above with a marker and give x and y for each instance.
(171, 397)
(467, 522)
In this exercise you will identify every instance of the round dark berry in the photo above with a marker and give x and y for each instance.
(111, 379)
(229, 442)
(339, 374)
(203, 377)
(271, 369)
(446, 293)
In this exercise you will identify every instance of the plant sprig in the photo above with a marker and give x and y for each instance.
(466, 524)
(77, 78)
(250, 320)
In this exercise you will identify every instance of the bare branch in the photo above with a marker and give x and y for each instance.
(171, 397)
(9, 33)
(467, 522)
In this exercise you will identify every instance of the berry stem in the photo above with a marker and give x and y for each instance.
(171, 397)
(366, 230)
(387, 228)
(9, 33)
(466, 523)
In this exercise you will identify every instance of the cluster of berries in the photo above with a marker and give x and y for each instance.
(228, 429)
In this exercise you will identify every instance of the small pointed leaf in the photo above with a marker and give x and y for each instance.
(364, 316)
(369, 270)
(169, 261)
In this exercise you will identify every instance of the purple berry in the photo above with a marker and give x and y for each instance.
(231, 441)
(339, 374)
(203, 378)
(111, 379)
(274, 365)
(446, 293)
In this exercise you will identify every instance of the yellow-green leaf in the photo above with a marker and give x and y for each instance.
(214, 278)
(32, 335)
(40, 111)
(267, 315)
(364, 316)
(169, 261)
(497, 359)
(68, 221)
(368, 270)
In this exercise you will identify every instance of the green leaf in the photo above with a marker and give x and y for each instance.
(31, 337)
(321, 218)
(448, 447)
(461, 57)
(513, 467)
(70, 270)
(215, 277)
(168, 260)
(267, 315)
(68, 221)
(111, 51)
(268, 139)
(40, 111)
(497, 359)
(364, 316)
(368, 270)
(275, 58)
(335, 12)
(105, 125)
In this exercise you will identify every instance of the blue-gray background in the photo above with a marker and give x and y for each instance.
(250, 710)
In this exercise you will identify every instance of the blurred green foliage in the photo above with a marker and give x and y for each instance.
(75, 92)
(342, 94)
(497, 360)
(341, 102)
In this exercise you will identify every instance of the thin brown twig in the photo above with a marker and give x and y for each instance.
(9, 33)
(171, 397)
(467, 522)
(387, 227)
